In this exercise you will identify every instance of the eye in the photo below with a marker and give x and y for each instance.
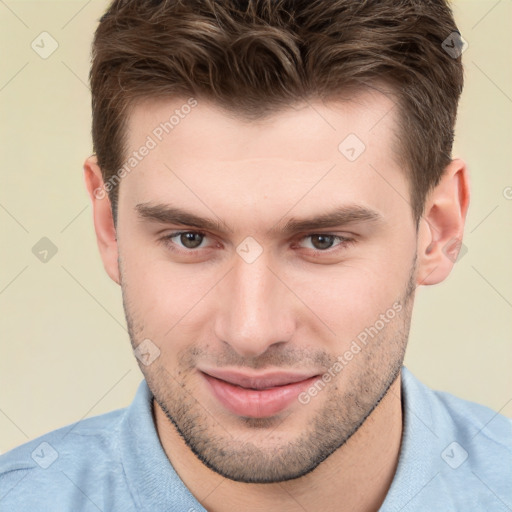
(185, 239)
(190, 241)
(325, 241)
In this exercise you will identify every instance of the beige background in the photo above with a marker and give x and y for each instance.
(65, 352)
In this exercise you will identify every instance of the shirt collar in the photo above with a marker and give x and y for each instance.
(153, 482)
(419, 436)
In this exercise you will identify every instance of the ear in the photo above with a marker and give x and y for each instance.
(103, 220)
(442, 225)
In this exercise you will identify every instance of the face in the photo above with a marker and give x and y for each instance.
(270, 265)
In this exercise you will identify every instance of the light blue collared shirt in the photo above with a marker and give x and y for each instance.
(455, 456)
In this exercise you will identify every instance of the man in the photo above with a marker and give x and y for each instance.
(272, 181)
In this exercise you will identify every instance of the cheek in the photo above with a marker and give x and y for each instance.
(164, 297)
(347, 298)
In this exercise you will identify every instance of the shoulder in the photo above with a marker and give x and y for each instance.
(459, 453)
(472, 423)
(86, 436)
(45, 468)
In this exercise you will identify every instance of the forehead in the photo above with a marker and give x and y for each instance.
(307, 131)
(328, 153)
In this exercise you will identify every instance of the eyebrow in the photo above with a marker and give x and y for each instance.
(170, 215)
(340, 216)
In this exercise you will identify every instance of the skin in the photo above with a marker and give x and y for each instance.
(298, 306)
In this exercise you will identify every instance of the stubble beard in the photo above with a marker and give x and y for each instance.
(347, 404)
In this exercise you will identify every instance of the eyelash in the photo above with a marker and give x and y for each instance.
(344, 242)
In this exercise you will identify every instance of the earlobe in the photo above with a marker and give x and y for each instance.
(102, 216)
(441, 227)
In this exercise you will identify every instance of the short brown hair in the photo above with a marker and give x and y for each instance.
(254, 57)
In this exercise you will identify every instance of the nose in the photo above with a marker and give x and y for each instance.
(256, 308)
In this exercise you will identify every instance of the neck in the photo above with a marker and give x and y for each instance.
(355, 477)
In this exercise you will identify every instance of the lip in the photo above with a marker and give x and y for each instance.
(258, 381)
(256, 395)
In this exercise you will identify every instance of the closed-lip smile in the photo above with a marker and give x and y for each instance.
(256, 395)
(258, 381)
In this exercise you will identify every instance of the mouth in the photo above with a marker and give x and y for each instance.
(256, 396)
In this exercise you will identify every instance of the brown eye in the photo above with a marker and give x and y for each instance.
(190, 239)
(188, 243)
(318, 243)
(322, 242)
